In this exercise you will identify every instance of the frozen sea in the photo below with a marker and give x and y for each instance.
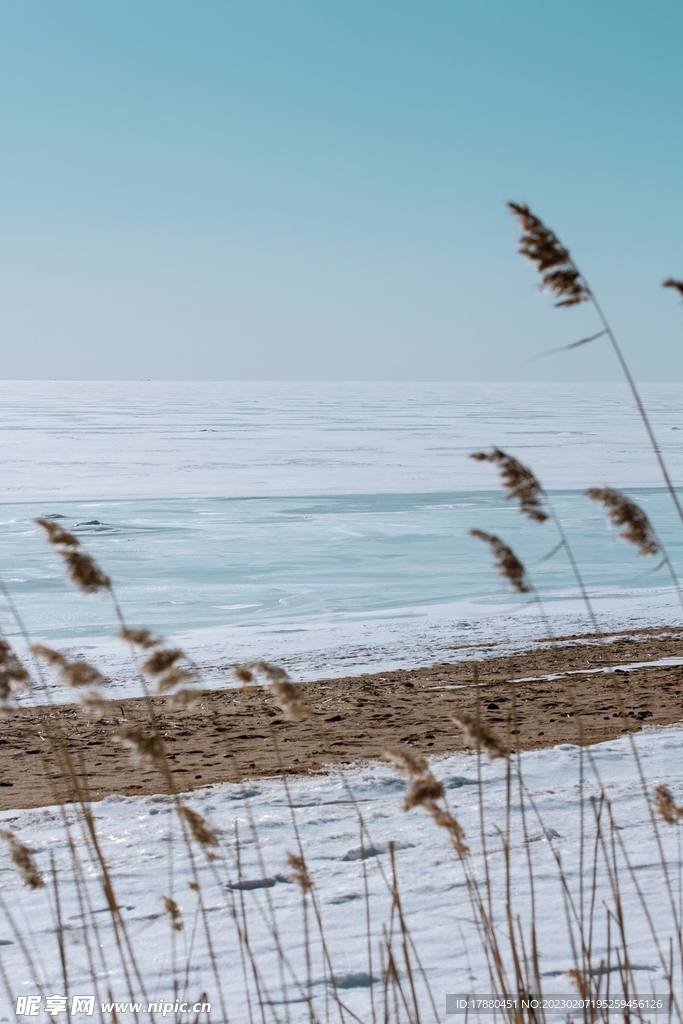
(324, 525)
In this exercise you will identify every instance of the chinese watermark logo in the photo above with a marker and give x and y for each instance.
(29, 1006)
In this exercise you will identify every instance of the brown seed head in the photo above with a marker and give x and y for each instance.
(49, 655)
(184, 698)
(413, 766)
(22, 858)
(173, 911)
(147, 749)
(621, 511)
(423, 792)
(13, 675)
(273, 673)
(56, 535)
(507, 563)
(299, 872)
(140, 637)
(665, 806)
(287, 696)
(483, 737)
(174, 677)
(519, 482)
(285, 692)
(72, 673)
(83, 570)
(671, 283)
(200, 829)
(80, 673)
(553, 262)
(580, 981)
(444, 819)
(94, 704)
(161, 660)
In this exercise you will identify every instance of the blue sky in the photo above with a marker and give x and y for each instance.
(314, 189)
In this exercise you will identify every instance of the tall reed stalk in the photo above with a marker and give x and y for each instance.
(561, 276)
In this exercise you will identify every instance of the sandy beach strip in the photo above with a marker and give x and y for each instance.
(581, 689)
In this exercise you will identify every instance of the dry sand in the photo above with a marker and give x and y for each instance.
(596, 691)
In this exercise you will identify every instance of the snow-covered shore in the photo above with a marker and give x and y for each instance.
(140, 837)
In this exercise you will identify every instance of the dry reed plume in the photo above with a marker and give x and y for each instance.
(161, 666)
(507, 563)
(76, 674)
(671, 283)
(160, 661)
(13, 676)
(580, 982)
(81, 568)
(147, 748)
(23, 860)
(480, 734)
(173, 911)
(665, 806)
(519, 482)
(423, 790)
(426, 791)
(553, 262)
(140, 637)
(621, 511)
(200, 829)
(298, 872)
(285, 692)
(56, 535)
(94, 704)
(413, 766)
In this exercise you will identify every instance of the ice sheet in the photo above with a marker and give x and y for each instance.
(90, 440)
(328, 585)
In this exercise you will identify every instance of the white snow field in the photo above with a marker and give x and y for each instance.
(91, 440)
(140, 837)
(324, 526)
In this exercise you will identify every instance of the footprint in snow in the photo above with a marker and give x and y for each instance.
(242, 794)
(599, 971)
(346, 898)
(547, 833)
(247, 884)
(364, 852)
(357, 979)
(457, 781)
